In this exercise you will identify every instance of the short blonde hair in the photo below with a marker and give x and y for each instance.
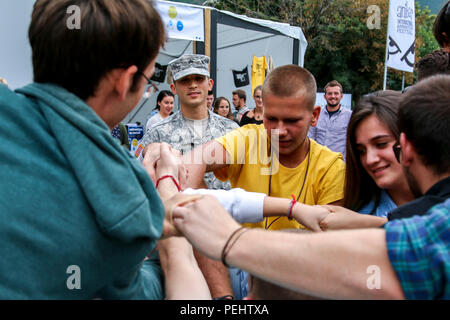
(290, 81)
(3, 81)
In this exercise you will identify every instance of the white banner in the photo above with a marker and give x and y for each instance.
(181, 21)
(401, 35)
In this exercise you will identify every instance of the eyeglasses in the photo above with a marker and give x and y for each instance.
(149, 82)
(397, 150)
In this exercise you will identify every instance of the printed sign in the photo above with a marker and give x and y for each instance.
(181, 21)
(135, 134)
(401, 35)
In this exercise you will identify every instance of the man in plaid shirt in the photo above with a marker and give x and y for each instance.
(418, 250)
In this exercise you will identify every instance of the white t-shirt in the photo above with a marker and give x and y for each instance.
(153, 120)
(198, 126)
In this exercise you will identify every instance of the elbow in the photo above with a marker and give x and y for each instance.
(393, 291)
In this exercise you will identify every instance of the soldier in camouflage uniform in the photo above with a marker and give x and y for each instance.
(193, 124)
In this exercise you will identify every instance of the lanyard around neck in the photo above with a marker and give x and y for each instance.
(301, 190)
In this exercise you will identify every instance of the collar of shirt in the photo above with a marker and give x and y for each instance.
(441, 188)
(331, 113)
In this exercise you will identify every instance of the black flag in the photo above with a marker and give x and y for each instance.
(160, 73)
(241, 78)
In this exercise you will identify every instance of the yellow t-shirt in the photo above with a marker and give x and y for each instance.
(259, 67)
(250, 170)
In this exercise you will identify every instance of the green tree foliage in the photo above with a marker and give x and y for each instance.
(340, 44)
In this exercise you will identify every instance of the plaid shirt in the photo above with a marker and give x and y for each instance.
(418, 249)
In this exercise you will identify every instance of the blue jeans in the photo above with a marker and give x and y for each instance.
(239, 282)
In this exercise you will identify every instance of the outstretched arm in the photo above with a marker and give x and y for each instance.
(328, 265)
(250, 207)
(205, 158)
(342, 218)
(183, 278)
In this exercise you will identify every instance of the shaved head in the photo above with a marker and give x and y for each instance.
(291, 81)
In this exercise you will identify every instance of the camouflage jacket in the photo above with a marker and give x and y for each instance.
(175, 131)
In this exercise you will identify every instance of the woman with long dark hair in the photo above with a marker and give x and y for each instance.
(222, 108)
(164, 105)
(374, 179)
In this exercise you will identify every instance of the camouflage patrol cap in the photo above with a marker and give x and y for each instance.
(189, 64)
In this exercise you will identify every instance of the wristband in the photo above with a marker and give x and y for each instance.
(173, 179)
(291, 207)
(227, 247)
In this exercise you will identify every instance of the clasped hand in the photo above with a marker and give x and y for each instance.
(161, 159)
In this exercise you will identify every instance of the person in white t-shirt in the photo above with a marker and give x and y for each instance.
(164, 105)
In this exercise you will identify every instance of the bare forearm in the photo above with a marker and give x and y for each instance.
(332, 265)
(342, 218)
(183, 278)
(167, 188)
(327, 264)
(206, 158)
(366, 221)
(216, 275)
(275, 206)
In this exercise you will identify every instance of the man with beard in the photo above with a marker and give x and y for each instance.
(423, 122)
(331, 129)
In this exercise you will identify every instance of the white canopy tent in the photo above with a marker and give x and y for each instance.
(231, 41)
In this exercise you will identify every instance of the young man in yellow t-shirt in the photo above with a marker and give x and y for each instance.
(277, 158)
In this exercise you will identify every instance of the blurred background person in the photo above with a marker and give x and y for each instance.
(254, 116)
(240, 104)
(3, 81)
(210, 100)
(164, 104)
(222, 108)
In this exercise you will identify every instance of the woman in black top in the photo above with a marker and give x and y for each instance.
(254, 116)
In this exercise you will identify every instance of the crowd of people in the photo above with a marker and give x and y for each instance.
(219, 205)
(242, 114)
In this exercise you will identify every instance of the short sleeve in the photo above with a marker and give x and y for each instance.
(331, 185)
(233, 143)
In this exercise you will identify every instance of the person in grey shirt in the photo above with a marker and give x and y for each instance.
(331, 129)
